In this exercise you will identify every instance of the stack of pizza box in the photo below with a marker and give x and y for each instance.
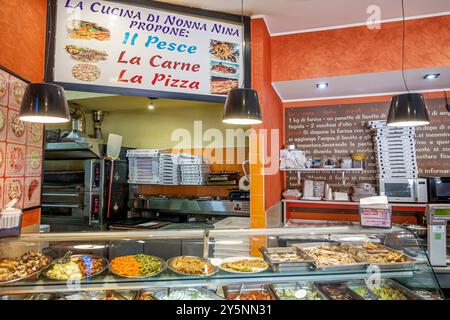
(395, 150)
(143, 166)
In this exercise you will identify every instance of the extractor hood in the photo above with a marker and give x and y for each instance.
(77, 145)
(76, 150)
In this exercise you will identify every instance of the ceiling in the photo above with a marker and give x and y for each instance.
(288, 16)
(102, 102)
(367, 84)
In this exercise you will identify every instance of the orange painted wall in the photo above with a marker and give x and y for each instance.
(22, 34)
(266, 189)
(361, 50)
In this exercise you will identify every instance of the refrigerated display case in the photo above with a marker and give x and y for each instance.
(312, 262)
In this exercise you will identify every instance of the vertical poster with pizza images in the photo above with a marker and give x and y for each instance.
(132, 47)
(21, 147)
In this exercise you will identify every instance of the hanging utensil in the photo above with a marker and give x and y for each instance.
(112, 153)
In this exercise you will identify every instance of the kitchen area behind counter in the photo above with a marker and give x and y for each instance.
(194, 195)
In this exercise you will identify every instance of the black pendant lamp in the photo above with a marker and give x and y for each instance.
(44, 103)
(408, 109)
(242, 105)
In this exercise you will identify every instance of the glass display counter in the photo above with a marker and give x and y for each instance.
(329, 262)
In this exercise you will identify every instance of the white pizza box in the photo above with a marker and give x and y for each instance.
(397, 168)
(395, 142)
(397, 176)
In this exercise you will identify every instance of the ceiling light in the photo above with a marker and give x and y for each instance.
(44, 103)
(151, 105)
(242, 107)
(409, 109)
(431, 76)
(322, 85)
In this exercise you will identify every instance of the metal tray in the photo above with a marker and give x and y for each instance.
(146, 292)
(169, 265)
(360, 265)
(353, 285)
(308, 286)
(280, 266)
(35, 274)
(94, 295)
(163, 268)
(159, 295)
(341, 286)
(104, 268)
(227, 290)
(408, 293)
(410, 264)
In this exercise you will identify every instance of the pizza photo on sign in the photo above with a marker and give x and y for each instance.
(225, 51)
(2, 158)
(224, 69)
(3, 119)
(35, 133)
(33, 161)
(16, 129)
(4, 79)
(80, 29)
(223, 85)
(15, 160)
(86, 72)
(32, 192)
(14, 189)
(16, 91)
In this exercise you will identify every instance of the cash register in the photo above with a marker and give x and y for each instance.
(437, 217)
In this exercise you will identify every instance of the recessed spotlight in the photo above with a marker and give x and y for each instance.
(431, 76)
(322, 85)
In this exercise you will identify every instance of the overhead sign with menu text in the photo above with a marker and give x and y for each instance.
(108, 44)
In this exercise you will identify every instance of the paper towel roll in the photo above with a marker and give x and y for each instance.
(244, 183)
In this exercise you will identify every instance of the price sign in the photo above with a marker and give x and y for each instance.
(373, 217)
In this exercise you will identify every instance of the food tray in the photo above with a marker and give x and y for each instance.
(162, 294)
(233, 259)
(104, 262)
(360, 265)
(93, 295)
(141, 294)
(410, 264)
(231, 290)
(340, 287)
(169, 265)
(306, 262)
(163, 268)
(307, 286)
(35, 274)
(360, 284)
(395, 285)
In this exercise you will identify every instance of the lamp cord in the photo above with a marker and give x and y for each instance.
(403, 46)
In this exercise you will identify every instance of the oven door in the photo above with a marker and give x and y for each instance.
(398, 190)
(439, 189)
